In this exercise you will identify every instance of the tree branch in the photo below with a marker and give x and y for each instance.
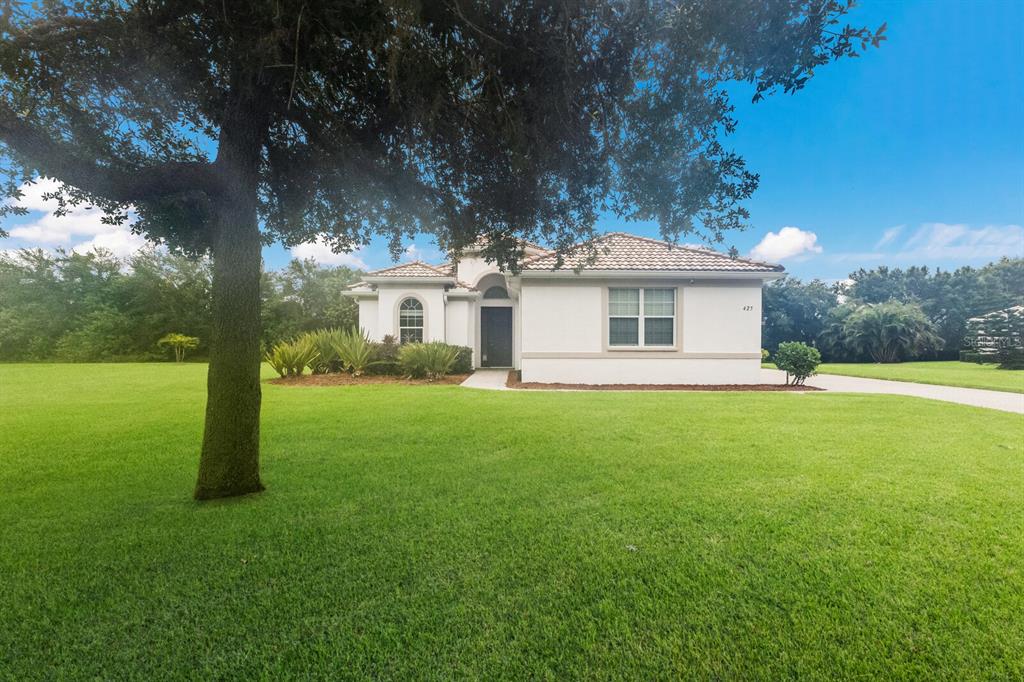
(57, 159)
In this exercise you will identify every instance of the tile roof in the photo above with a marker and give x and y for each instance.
(417, 269)
(414, 269)
(621, 251)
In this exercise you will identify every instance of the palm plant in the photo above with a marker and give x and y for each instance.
(290, 358)
(325, 341)
(428, 360)
(354, 351)
(890, 332)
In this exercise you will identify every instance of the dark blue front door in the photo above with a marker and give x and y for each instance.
(496, 337)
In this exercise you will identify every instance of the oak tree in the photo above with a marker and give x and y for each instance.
(228, 124)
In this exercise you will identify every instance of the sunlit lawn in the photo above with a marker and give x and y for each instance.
(440, 532)
(948, 373)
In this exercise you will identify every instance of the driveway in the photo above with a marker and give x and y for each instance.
(996, 400)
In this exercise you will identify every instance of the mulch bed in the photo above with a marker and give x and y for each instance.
(345, 379)
(514, 382)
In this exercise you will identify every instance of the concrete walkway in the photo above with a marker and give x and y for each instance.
(494, 380)
(491, 379)
(996, 400)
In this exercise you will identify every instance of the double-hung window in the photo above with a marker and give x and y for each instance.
(641, 318)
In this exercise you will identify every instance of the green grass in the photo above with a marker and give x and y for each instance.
(439, 532)
(945, 373)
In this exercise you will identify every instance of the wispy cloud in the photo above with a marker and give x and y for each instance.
(941, 242)
(959, 241)
(789, 242)
(889, 235)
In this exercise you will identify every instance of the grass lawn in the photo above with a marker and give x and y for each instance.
(439, 532)
(946, 373)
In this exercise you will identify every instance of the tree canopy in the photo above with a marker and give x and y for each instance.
(228, 124)
(457, 118)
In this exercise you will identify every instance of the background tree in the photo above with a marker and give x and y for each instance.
(795, 311)
(303, 297)
(465, 119)
(180, 343)
(890, 332)
(948, 298)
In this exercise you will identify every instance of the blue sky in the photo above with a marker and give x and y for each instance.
(912, 154)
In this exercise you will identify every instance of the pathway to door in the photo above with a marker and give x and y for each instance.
(491, 379)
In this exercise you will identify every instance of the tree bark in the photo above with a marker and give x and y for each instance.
(230, 461)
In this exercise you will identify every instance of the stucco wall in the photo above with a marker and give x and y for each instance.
(560, 317)
(368, 318)
(641, 371)
(564, 328)
(458, 323)
(471, 268)
(722, 318)
(388, 298)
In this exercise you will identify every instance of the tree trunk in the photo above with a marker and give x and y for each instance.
(230, 460)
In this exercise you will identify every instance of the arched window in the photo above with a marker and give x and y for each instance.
(410, 321)
(496, 292)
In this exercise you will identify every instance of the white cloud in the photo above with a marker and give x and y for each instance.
(789, 242)
(944, 241)
(889, 235)
(122, 242)
(321, 252)
(81, 222)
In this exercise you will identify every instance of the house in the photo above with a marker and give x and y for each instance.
(644, 311)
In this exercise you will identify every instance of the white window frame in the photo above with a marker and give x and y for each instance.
(423, 320)
(641, 318)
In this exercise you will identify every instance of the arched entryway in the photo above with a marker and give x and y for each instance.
(495, 322)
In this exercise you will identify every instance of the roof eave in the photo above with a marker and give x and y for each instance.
(653, 274)
(441, 281)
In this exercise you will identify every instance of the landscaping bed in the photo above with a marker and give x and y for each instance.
(345, 379)
(514, 381)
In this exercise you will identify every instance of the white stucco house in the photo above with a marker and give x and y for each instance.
(644, 311)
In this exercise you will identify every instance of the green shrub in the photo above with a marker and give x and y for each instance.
(325, 341)
(385, 356)
(464, 361)
(976, 357)
(427, 360)
(290, 358)
(354, 351)
(798, 360)
(765, 355)
(1010, 358)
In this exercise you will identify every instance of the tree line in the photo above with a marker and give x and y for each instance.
(923, 311)
(93, 306)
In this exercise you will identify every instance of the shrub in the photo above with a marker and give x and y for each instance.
(1010, 358)
(325, 340)
(765, 355)
(427, 360)
(976, 357)
(385, 356)
(290, 358)
(464, 361)
(798, 360)
(180, 343)
(354, 351)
